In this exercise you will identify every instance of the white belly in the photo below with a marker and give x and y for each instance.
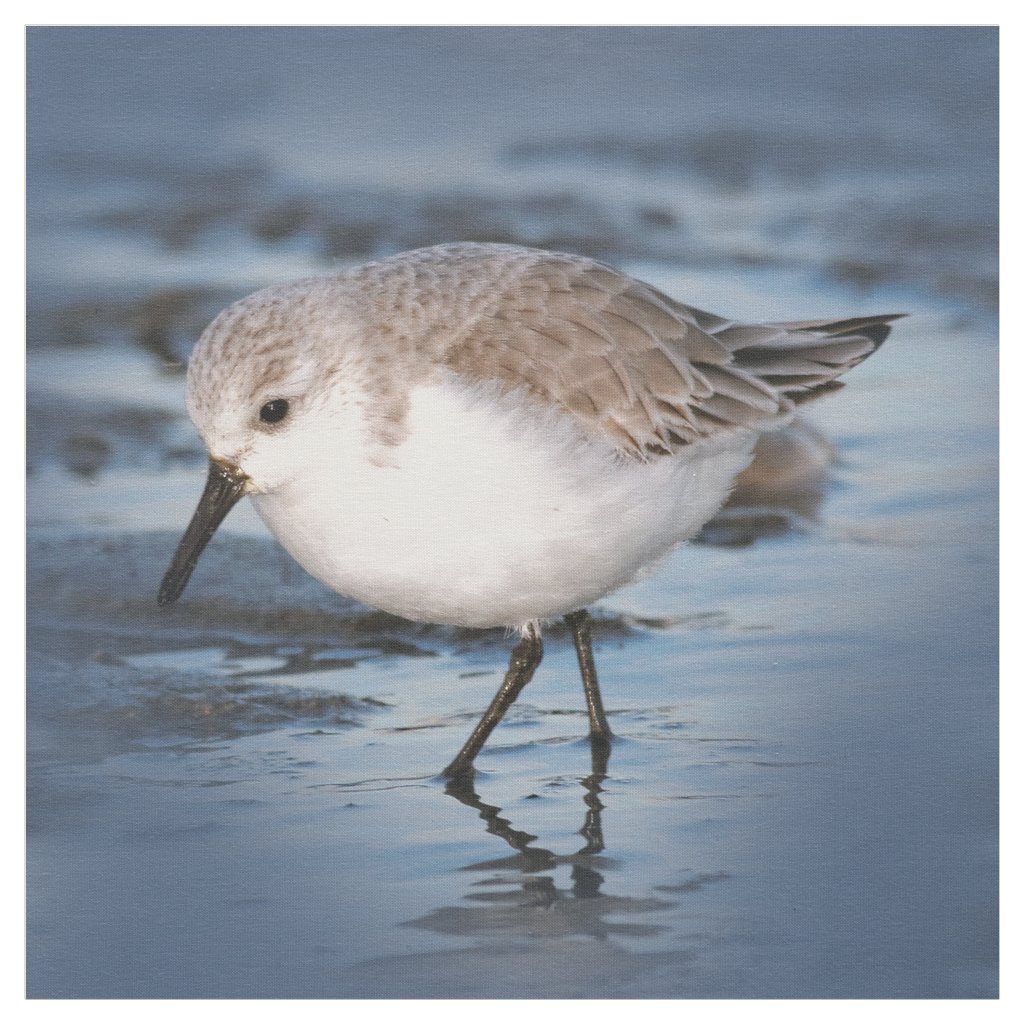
(489, 514)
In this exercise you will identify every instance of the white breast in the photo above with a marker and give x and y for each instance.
(491, 512)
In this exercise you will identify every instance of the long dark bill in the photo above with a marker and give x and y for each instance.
(224, 486)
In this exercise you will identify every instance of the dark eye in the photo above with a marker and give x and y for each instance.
(275, 411)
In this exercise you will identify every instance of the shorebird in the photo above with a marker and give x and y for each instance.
(490, 435)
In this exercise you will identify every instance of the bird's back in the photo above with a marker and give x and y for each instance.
(631, 365)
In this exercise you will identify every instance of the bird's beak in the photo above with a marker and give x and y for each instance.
(224, 486)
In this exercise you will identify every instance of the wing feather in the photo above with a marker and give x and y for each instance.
(644, 371)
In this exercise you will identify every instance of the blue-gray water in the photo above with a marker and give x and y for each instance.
(236, 797)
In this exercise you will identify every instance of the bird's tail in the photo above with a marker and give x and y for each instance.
(803, 360)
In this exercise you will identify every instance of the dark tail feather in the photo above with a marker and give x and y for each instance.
(803, 360)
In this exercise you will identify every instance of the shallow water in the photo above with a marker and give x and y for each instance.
(237, 796)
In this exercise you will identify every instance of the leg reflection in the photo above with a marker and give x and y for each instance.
(532, 859)
(519, 898)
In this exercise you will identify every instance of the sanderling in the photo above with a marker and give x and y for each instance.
(489, 435)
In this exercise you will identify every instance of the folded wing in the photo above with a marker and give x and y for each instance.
(649, 373)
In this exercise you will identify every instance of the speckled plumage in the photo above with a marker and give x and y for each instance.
(491, 435)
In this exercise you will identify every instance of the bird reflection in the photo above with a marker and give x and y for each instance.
(531, 859)
(780, 491)
(519, 894)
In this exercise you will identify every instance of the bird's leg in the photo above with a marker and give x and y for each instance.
(526, 656)
(600, 731)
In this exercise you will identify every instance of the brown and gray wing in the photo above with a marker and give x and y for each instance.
(646, 372)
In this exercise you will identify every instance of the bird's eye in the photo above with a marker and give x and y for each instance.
(274, 411)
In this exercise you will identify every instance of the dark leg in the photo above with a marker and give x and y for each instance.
(579, 622)
(526, 656)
